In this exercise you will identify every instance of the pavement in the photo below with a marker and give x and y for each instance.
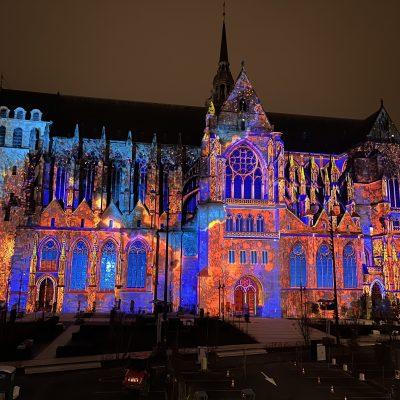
(101, 384)
(269, 380)
(280, 380)
(60, 340)
(278, 331)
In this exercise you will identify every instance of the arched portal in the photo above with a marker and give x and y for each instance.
(247, 295)
(46, 294)
(376, 295)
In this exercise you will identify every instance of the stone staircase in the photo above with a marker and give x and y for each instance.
(277, 332)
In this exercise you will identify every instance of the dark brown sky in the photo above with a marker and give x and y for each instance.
(321, 57)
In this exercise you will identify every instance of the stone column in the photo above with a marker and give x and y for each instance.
(61, 275)
(92, 277)
(30, 307)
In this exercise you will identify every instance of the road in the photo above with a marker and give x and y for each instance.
(261, 373)
(102, 384)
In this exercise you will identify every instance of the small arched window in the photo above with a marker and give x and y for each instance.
(108, 266)
(239, 223)
(4, 112)
(17, 137)
(260, 223)
(49, 256)
(229, 223)
(297, 266)
(79, 266)
(2, 136)
(19, 113)
(35, 115)
(324, 267)
(137, 261)
(250, 223)
(349, 267)
(242, 105)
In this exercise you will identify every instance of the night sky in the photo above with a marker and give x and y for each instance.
(334, 58)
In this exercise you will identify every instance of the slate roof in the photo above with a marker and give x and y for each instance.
(300, 132)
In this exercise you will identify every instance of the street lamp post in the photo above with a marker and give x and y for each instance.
(335, 298)
(156, 269)
(166, 264)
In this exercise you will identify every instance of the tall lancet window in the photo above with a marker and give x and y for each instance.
(61, 181)
(17, 138)
(116, 184)
(243, 174)
(324, 267)
(142, 181)
(87, 182)
(79, 266)
(349, 267)
(2, 135)
(165, 191)
(137, 260)
(108, 266)
(394, 192)
(297, 266)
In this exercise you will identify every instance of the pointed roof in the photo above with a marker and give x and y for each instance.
(223, 53)
(243, 89)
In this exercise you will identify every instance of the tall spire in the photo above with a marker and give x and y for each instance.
(223, 80)
(223, 54)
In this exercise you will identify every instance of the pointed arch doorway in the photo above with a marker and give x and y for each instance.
(46, 294)
(247, 295)
(376, 294)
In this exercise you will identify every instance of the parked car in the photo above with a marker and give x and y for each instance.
(137, 376)
(8, 389)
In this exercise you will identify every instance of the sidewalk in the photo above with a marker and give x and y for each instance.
(61, 340)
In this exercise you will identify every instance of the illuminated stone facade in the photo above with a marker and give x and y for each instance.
(83, 218)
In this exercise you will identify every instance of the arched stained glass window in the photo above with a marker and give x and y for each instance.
(324, 267)
(229, 223)
(243, 174)
(297, 262)
(142, 181)
(108, 266)
(137, 260)
(49, 256)
(250, 223)
(260, 223)
(17, 138)
(2, 135)
(349, 267)
(239, 223)
(79, 266)
(394, 192)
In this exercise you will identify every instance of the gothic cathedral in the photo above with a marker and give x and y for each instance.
(247, 210)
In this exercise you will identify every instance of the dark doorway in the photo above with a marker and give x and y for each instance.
(376, 295)
(46, 294)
